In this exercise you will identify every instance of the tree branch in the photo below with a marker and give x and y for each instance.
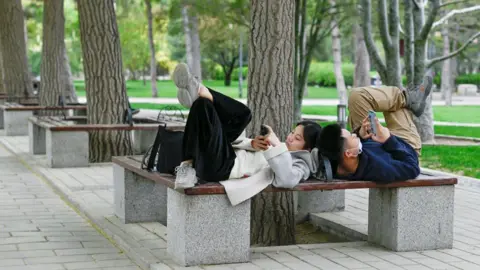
(369, 42)
(452, 54)
(428, 24)
(383, 24)
(454, 12)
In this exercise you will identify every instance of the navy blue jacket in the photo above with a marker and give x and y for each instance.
(394, 160)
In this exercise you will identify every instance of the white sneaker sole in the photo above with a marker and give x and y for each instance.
(181, 77)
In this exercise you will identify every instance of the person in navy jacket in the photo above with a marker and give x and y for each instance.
(387, 156)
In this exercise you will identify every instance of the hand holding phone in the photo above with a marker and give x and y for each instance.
(263, 130)
(371, 118)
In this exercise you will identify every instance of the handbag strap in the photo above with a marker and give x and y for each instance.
(155, 147)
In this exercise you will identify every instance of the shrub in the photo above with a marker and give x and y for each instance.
(322, 74)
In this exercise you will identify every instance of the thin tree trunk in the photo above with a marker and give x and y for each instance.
(453, 64)
(69, 92)
(56, 80)
(2, 86)
(337, 62)
(104, 81)
(192, 42)
(270, 96)
(195, 37)
(153, 61)
(362, 61)
(17, 79)
(446, 71)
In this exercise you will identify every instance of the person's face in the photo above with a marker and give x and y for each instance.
(295, 140)
(351, 144)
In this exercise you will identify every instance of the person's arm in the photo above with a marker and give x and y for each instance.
(393, 170)
(288, 173)
(404, 165)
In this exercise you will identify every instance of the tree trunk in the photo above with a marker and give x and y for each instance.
(270, 96)
(56, 80)
(17, 79)
(153, 61)
(446, 71)
(228, 78)
(424, 123)
(69, 92)
(104, 81)
(362, 61)
(192, 42)
(2, 86)
(337, 63)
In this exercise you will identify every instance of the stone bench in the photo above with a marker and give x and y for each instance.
(14, 116)
(467, 89)
(66, 143)
(204, 228)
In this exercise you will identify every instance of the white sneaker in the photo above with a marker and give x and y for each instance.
(186, 176)
(187, 85)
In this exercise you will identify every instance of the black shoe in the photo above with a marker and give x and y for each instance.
(417, 96)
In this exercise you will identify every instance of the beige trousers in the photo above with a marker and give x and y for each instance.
(391, 101)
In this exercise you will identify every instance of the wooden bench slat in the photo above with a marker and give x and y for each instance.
(43, 108)
(132, 164)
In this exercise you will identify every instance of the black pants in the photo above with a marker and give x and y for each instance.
(211, 128)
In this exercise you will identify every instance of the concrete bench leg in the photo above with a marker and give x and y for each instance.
(410, 219)
(67, 149)
(37, 139)
(16, 122)
(318, 202)
(207, 229)
(142, 140)
(137, 199)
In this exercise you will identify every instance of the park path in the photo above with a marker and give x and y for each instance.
(39, 231)
(91, 190)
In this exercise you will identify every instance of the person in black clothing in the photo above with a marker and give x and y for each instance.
(390, 155)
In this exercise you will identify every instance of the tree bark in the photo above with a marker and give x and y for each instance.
(270, 96)
(337, 63)
(2, 86)
(104, 82)
(17, 79)
(70, 92)
(446, 68)
(56, 79)
(192, 42)
(362, 61)
(153, 61)
(424, 123)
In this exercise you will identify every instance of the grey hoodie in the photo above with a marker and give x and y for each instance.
(286, 169)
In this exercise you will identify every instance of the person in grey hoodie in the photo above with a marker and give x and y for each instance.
(216, 150)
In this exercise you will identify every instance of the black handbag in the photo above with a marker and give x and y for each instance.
(166, 152)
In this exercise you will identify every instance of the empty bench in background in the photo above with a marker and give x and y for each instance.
(204, 228)
(15, 116)
(66, 143)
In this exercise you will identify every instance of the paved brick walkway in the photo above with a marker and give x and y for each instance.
(145, 242)
(39, 231)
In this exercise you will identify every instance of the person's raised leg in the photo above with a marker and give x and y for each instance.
(397, 106)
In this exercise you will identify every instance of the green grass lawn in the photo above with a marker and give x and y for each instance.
(168, 90)
(462, 160)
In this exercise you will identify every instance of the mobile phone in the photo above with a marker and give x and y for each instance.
(371, 118)
(263, 130)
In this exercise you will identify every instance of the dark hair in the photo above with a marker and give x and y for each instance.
(311, 133)
(330, 145)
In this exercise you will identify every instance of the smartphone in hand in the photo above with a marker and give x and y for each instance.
(371, 118)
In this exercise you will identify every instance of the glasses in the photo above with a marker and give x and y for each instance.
(359, 150)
